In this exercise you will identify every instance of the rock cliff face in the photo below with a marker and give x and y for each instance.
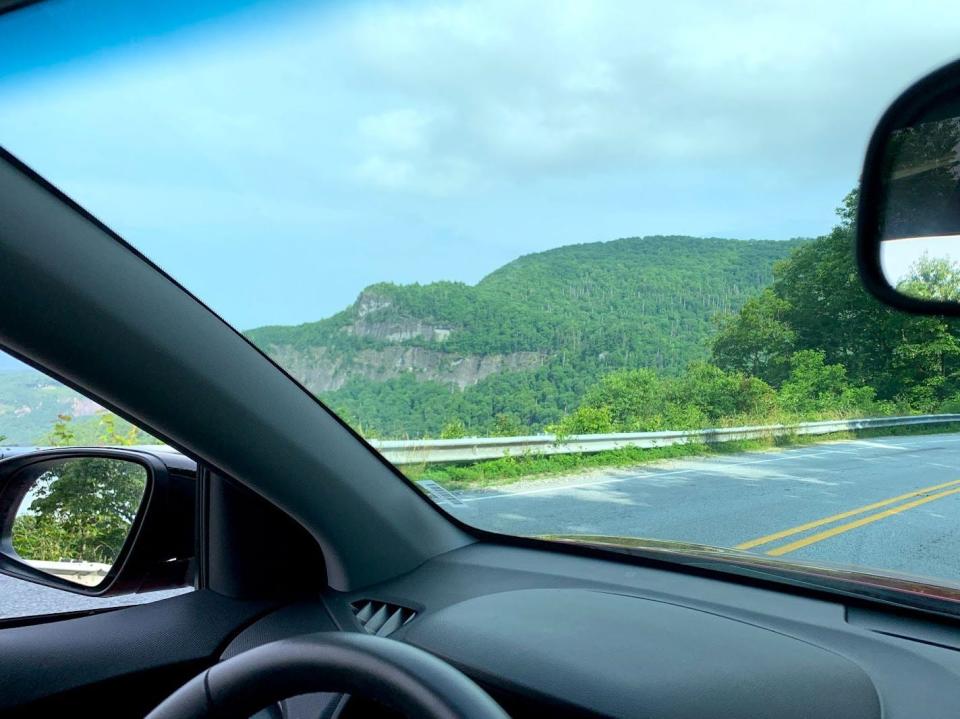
(322, 370)
(373, 320)
(396, 343)
(397, 330)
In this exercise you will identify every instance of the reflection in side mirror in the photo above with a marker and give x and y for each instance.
(908, 222)
(76, 514)
(923, 268)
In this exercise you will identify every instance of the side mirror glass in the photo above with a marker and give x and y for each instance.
(74, 516)
(908, 220)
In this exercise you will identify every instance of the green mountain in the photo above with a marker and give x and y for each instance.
(515, 351)
(30, 403)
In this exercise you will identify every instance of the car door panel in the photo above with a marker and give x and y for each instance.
(122, 661)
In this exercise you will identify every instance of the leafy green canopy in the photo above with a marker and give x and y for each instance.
(642, 400)
(707, 396)
(817, 302)
(641, 302)
(82, 509)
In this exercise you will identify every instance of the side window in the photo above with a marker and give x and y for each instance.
(75, 514)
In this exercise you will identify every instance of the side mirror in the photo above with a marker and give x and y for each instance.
(908, 218)
(96, 521)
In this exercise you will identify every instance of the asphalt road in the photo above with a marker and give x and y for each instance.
(23, 599)
(890, 503)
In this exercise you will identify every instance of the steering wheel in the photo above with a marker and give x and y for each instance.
(399, 676)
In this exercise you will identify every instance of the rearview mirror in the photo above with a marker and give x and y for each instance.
(908, 218)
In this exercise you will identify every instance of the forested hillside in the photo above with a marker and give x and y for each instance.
(817, 303)
(35, 409)
(814, 344)
(516, 351)
(30, 403)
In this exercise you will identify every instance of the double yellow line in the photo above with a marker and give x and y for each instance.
(928, 494)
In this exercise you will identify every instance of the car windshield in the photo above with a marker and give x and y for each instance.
(580, 270)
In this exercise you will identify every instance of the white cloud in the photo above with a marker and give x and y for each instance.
(402, 151)
(440, 98)
(476, 129)
(525, 90)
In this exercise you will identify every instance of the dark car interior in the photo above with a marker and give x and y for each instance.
(327, 585)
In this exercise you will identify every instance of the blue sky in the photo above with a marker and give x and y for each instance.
(278, 157)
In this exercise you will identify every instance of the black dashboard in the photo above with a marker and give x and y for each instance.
(582, 636)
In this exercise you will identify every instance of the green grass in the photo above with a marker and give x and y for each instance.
(507, 470)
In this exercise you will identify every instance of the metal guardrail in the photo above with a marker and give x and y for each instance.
(468, 449)
(87, 573)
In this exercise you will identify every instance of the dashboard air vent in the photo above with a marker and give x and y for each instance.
(379, 618)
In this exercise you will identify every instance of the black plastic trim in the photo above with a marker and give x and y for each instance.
(909, 107)
(8, 6)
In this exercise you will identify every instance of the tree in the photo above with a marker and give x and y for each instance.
(585, 420)
(39, 538)
(926, 360)
(454, 429)
(932, 279)
(719, 396)
(81, 508)
(88, 504)
(62, 435)
(814, 387)
(818, 303)
(634, 399)
(506, 424)
(109, 434)
(828, 308)
(641, 400)
(756, 341)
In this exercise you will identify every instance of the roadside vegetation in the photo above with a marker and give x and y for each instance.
(490, 474)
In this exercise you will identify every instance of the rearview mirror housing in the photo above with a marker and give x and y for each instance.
(908, 215)
(136, 519)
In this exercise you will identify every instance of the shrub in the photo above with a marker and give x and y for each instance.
(454, 429)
